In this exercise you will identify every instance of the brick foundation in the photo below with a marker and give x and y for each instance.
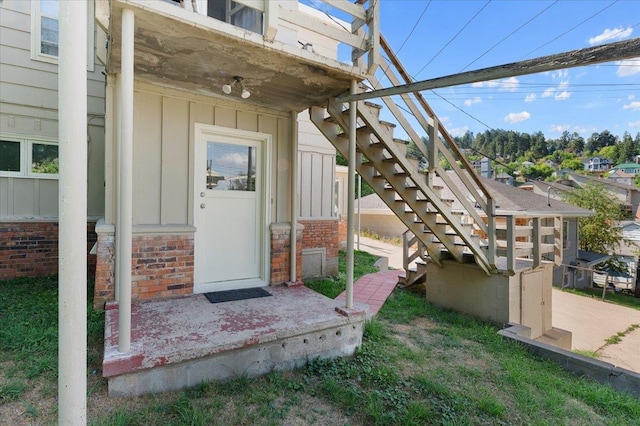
(30, 249)
(281, 250)
(161, 266)
(323, 233)
(163, 263)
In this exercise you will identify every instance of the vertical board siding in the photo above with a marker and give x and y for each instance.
(147, 144)
(164, 141)
(316, 176)
(23, 204)
(269, 125)
(175, 161)
(48, 197)
(315, 190)
(283, 164)
(328, 179)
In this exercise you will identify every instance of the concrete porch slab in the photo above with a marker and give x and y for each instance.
(177, 343)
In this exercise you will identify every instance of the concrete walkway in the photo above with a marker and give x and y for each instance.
(591, 321)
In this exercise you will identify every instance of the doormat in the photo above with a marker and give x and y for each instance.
(240, 294)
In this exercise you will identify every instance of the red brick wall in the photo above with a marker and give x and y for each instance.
(323, 233)
(280, 254)
(161, 266)
(30, 249)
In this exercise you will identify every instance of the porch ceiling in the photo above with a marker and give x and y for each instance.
(177, 48)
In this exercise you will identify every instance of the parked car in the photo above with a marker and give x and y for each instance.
(615, 279)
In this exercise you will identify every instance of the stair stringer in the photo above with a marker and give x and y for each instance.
(454, 222)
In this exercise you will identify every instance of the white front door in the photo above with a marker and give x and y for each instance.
(230, 212)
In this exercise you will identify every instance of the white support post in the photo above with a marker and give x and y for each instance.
(294, 196)
(270, 20)
(511, 244)
(351, 194)
(125, 196)
(72, 183)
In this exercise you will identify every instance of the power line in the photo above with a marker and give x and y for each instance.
(572, 28)
(454, 37)
(414, 27)
(510, 34)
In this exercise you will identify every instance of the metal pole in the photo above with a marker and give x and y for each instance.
(350, 196)
(72, 184)
(359, 196)
(126, 185)
(294, 196)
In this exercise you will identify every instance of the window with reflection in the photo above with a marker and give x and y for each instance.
(231, 167)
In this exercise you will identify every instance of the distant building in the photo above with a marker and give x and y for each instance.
(597, 164)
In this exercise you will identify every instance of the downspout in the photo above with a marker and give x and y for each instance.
(294, 196)
(72, 199)
(351, 196)
(125, 155)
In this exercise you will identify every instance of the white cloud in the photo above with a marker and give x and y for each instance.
(516, 117)
(234, 159)
(563, 84)
(632, 105)
(492, 83)
(634, 123)
(459, 131)
(530, 97)
(628, 67)
(585, 130)
(510, 84)
(610, 35)
(631, 97)
(560, 74)
(562, 96)
(548, 92)
(559, 127)
(470, 102)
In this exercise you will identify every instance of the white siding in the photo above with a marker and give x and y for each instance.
(29, 108)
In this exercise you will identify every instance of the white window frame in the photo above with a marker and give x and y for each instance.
(26, 156)
(36, 34)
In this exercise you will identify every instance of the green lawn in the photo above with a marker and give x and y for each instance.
(333, 286)
(418, 365)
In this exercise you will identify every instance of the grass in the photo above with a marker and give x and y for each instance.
(333, 286)
(615, 298)
(418, 365)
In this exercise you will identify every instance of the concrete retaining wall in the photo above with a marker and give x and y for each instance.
(602, 372)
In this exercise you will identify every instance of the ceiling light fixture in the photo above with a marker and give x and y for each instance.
(228, 88)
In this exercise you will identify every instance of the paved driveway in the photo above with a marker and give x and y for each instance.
(592, 321)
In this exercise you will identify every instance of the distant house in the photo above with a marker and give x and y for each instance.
(597, 164)
(628, 195)
(504, 178)
(620, 176)
(527, 164)
(631, 168)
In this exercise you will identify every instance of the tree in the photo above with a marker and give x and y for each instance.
(573, 164)
(597, 233)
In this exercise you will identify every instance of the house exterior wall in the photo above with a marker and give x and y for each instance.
(317, 200)
(164, 140)
(29, 112)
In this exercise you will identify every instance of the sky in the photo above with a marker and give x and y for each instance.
(443, 37)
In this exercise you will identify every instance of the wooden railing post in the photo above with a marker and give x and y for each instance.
(405, 251)
(536, 240)
(270, 19)
(557, 240)
(491, 231)
(432, 152)
(511, 244)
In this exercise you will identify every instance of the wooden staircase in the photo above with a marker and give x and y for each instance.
(460, 224)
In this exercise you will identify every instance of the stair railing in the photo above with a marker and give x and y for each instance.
(440, 143)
